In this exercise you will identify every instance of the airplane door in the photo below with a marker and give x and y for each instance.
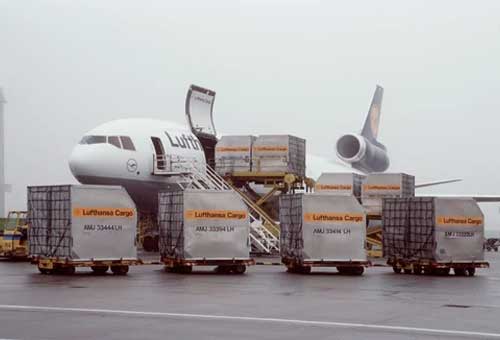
(161, 161)
(199, 114)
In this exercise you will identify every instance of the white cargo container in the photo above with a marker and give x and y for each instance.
(379, 185)
(433, 234)
(279, 154)
(337, 183)
(82, 226)
(322, 230)
(233, 154)
(204, 227)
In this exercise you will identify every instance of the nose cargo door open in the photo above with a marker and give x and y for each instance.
(199, 114)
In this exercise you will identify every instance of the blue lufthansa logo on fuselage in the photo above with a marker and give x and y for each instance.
(132, 165)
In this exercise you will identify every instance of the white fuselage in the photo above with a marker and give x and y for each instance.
(123, 152)
(96, 161)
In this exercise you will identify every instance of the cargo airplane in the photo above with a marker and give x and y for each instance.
(147, 155)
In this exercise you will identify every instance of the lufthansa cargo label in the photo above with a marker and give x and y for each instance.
(273, 148)
(459, 221)
(333, 217)
(233, 149)
(215, 215)
(381, 187)
(103, 212)
(320, 187)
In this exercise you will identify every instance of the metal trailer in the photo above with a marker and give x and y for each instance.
(433, 235)
(322, 230)
(204, 228)
(81, 226)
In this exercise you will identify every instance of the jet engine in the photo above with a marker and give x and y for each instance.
(362, 154)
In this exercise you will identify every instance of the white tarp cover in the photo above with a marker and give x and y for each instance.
(216, 225)
(104, 221)
(459, 230)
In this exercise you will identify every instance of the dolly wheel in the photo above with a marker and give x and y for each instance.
(305, 270)
(396, 269)
(45, 271)
(459, 271)
(186, 269)
(223, 269)
(471, 271)
(99, 270)
(239, 269)
(70, 270)
(418, 270)
(119, 270)
(357, 270)
(407, 270)
(291, 269)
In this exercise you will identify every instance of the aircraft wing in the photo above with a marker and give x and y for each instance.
(430, 184)
(477, 198)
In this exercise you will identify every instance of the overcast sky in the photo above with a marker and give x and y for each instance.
(307, 68)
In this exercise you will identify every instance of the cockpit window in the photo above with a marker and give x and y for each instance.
(114, 140)
(121, 142)
(93, 140)
(127, 143)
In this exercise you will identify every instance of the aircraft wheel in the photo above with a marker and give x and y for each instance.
(396, 269)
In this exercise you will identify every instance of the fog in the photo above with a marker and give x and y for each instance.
(307, 68)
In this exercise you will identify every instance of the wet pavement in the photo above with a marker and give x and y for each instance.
(265, 303)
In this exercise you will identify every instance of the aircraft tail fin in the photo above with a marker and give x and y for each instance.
(371, 126)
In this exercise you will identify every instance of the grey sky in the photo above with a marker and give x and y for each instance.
(303, 67)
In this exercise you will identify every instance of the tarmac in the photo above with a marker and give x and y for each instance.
(264, 303)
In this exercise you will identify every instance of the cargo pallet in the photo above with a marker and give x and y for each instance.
(430, 267)
(68, 266)
(226, 266)
(343, 267)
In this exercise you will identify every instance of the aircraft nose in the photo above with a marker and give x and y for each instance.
(81, 162)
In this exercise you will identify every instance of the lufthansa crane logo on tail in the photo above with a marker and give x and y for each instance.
(374, 119)
(132, 165)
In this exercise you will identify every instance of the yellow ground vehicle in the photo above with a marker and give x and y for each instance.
(14, 237)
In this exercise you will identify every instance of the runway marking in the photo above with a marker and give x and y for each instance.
(256, 319)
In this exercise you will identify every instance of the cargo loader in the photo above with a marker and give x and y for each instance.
(431, 235)
(89, 226)
(322, 230)
(204, 228)
(14, 237)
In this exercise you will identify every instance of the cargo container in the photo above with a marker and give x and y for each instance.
(81, 226)
(433, 235)
(322, 230)
(379, 185)
(279, 154)
(233, 154)
(204, 228)
(337, 183)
